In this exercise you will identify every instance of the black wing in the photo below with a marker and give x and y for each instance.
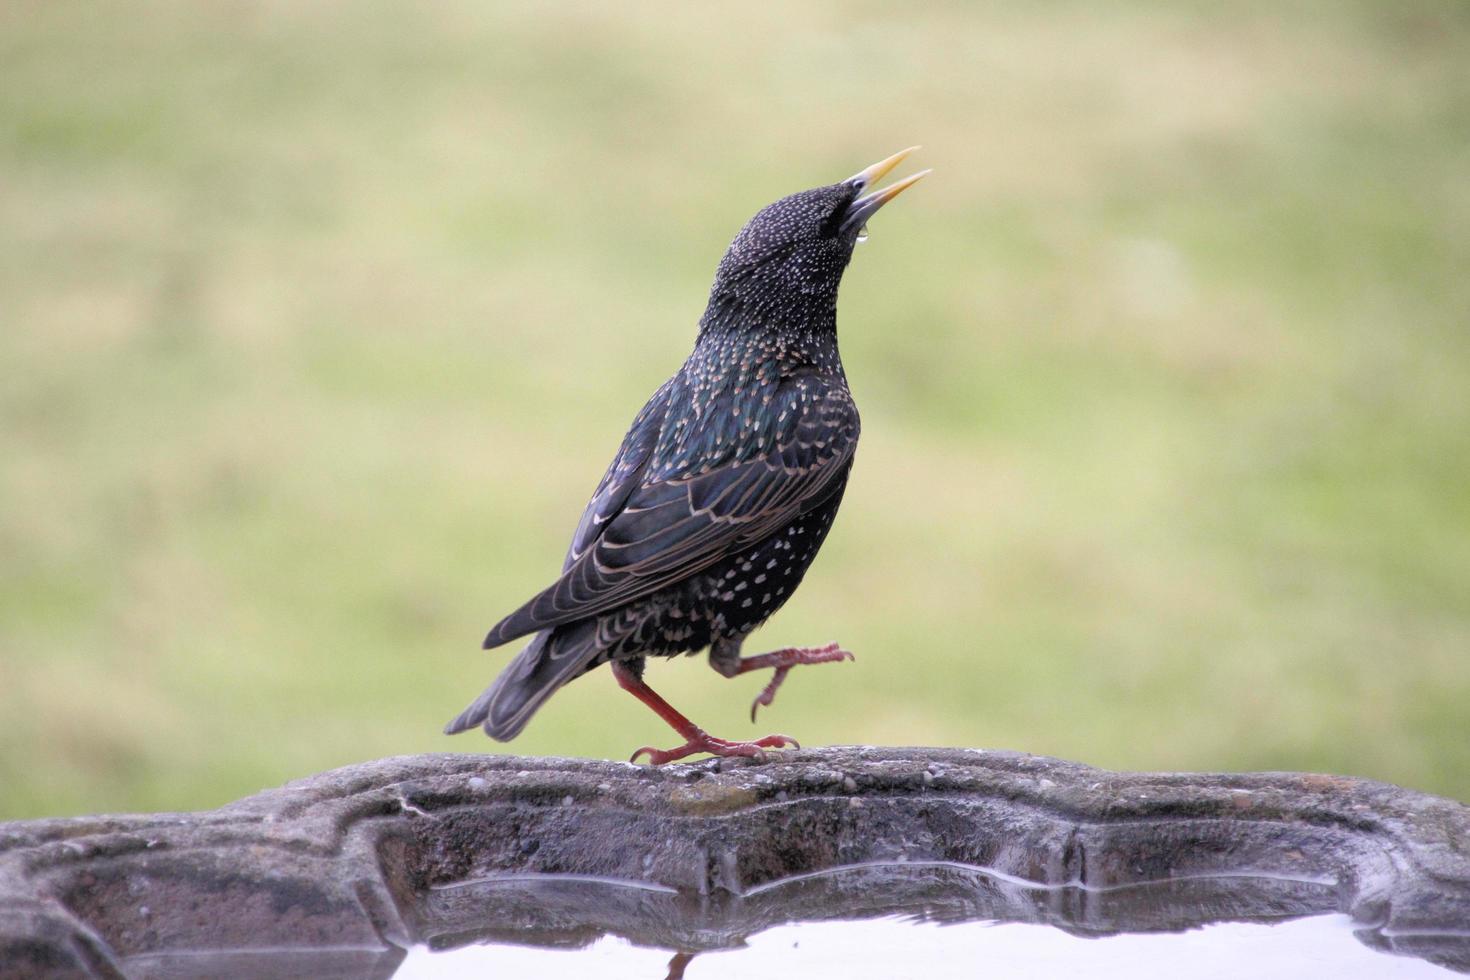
(623, 476)
(669, 529)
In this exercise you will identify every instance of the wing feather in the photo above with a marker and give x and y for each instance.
(663, 531)
(623, 476)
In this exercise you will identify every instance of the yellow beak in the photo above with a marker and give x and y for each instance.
(861, 209)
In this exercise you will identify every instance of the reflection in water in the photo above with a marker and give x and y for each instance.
(678, 963)
(915, 918)
(933, 919)
(1318, 946)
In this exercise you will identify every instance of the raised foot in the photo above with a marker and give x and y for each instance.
(703, 742)
(783, 661)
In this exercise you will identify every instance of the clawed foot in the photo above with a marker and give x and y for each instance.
(704, 742)
(783, 661)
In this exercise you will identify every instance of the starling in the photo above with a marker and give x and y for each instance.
(724, 487)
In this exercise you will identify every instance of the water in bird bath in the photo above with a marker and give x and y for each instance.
(902, 919)
(1322, 946)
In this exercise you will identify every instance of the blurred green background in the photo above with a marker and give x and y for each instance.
(318, 323)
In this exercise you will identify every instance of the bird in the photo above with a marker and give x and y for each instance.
(725, 485)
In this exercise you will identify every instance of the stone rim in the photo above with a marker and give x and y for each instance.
(354, 862)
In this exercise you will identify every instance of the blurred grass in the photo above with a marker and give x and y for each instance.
(318, 322)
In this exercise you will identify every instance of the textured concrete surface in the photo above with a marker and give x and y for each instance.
(335, 874)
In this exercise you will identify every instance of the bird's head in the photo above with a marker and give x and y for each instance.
(789, 258)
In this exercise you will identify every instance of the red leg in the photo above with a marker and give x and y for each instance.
(783, 661)
(696, 739)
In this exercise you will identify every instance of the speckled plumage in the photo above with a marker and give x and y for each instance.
(725, 485)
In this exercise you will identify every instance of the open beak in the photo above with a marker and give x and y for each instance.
(863, 207)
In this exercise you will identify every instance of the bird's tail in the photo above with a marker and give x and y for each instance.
(554, 657)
